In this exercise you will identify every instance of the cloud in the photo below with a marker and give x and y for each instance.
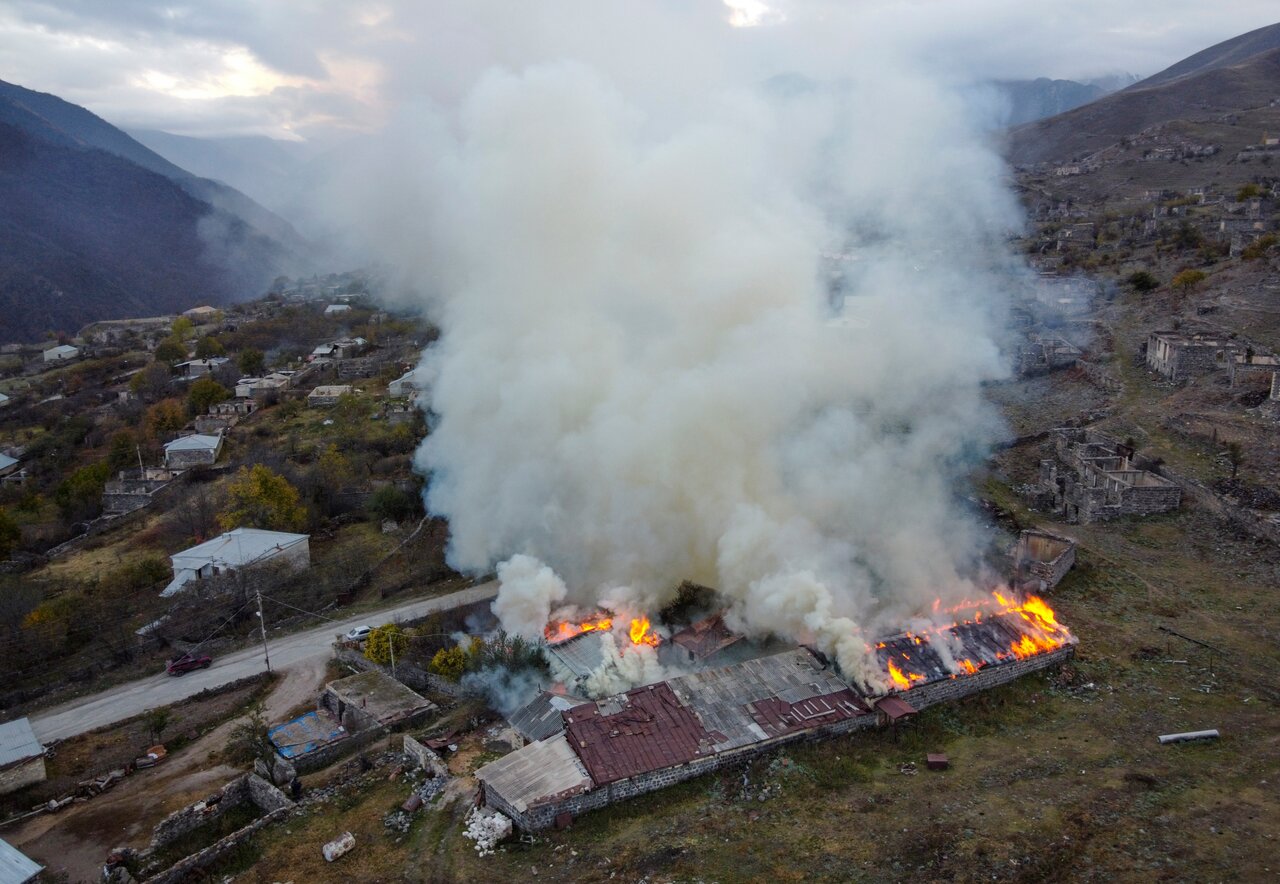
(307, 69)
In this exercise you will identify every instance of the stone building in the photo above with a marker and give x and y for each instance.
(132, 490)
(1096, 478)
(661, 734)
(192, 451)
(373, 699)
(236, 550)
(328, 395)
(1044, 353)
(1042, 558)
(21, 756)
(1180, 357)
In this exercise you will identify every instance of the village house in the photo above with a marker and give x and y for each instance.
(197, 368)
(335, 309)
(4, 400)
(233, 407)
(21, 756)
(325, 396)
(405, 386)
(8, 465)
(1100, 480)
(192, 451)
(1044, 353)
(64, 353)
(203, 313)
(542, 717)
(238, 550)
(257, 388)
(1180, 357)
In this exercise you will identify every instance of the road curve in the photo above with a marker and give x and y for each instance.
(135, 697)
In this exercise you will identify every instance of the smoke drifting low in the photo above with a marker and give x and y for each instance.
(744, 351)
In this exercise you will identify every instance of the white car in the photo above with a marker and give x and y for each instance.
(358, 633)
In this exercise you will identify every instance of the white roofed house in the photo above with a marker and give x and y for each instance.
(237, 550)
(334, 309)
(7, 464)
(327, 395)
(192, 451)
(406, 386)
(21, 756)
(61, 354)
(196, 368)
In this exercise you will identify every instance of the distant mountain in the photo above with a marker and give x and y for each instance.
(266, 169)
(95, 225)
(1223, 79)
(1036, 99)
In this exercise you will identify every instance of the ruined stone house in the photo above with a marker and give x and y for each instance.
(1249, 369)
(1041, 559)
(1095, 478)
(1180, 357)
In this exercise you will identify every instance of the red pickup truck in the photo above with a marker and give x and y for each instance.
(184, 663)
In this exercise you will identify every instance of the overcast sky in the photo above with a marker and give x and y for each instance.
(307, 68)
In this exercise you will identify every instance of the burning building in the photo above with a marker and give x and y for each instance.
(657, 735)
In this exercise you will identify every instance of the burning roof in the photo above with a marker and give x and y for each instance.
(997, 630)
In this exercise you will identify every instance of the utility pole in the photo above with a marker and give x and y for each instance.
(141, 471)
(391, 644)
(262, 621)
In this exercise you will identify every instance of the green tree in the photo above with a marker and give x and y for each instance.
(390, 502)
(165, 417)
(209, 346)
(1247, 192)
(449, 663)
(123, 452)
(80, 494)
(171, 350)
(251, 362)
(383, 640)
(183, 328)
(1188, 279)
(335, 467)
(1142, 282)
(157, 720)
(248, 741)
(259, 498)
(10, 534)
(204, 392)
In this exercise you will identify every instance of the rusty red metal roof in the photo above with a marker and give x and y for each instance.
(652, 730)
(777, 717)
(895, 707)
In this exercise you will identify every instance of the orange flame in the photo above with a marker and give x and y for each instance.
(563, 630)
(640, 634)
(1036, 621)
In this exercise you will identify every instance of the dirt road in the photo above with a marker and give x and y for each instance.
(287, 652)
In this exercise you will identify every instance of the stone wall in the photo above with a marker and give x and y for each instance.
(425, 758)
(406, 673)
(21, 775)
(182, 460)
(1253, 374)
(327, 755)
(249, 788)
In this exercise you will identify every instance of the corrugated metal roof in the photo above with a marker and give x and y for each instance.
(237, 548)
(6, 461)
(652, 730)
(15, 866)
(536, 773)
(18, 742)
(582, 654)
(706, 637)
(543, 716)
(721, 696)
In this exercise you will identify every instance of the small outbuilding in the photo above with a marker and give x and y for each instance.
(15, 866)
(373, 699)
(328, 395)
(21, 756)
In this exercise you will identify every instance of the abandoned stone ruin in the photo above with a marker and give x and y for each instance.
(1180, 357)
(1095, 478)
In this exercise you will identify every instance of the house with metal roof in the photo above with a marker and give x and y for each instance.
(236, 550)
(192, 451)
(21, 756)
(63, 353)
(15, 866)
(7, 464)
(543, 716)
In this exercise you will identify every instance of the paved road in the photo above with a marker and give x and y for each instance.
(135, 697)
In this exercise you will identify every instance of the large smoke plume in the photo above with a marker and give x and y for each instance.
(742, 346)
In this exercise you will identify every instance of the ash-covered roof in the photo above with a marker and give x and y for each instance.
(537, 773)
(722, 697)
(642, 730)
(542, 717)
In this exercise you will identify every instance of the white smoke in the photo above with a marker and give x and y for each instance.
(643, 375)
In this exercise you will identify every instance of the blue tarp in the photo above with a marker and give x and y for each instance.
(306, 734)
